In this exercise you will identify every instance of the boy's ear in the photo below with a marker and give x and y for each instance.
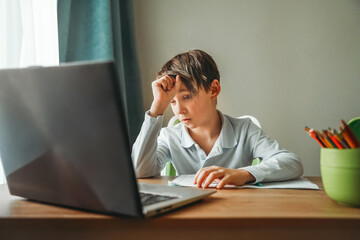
(215, 88)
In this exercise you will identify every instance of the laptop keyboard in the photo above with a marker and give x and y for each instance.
(150, 198)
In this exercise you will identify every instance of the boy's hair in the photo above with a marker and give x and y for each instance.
(196, 68)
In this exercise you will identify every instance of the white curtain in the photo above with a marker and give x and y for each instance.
(28, 36)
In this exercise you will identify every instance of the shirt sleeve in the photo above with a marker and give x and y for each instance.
(150, 151)
(277, 164)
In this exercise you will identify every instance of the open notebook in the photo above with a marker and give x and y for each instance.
(300, 183)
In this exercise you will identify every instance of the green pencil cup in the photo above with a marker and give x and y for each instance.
(340, 172)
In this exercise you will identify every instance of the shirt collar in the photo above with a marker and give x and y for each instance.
(186, 140)
(227, 138)
(227, 135)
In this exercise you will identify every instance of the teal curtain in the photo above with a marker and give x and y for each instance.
(103, 30)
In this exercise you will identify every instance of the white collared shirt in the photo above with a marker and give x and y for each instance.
(240, 141)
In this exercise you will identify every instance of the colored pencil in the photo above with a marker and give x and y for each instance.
(328, 140)
(341, 139)
(335, 140)
(332, 139)
(323, 139)
(314, 136)
(353, 142)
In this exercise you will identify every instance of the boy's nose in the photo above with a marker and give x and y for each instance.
(180, 108)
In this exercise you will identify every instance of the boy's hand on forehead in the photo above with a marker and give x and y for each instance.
(168, 82)
(164, 90)
(166, 87)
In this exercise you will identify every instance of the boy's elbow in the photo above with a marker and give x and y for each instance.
(144, 165)
(299, 168)
(143, 170)
(143, 174)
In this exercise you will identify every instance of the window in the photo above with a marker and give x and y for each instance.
(29, 36)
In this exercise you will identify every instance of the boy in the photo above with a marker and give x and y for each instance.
(215, 146)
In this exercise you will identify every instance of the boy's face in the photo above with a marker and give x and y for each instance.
(192, 110)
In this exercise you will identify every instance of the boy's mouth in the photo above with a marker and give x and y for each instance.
(185, 120)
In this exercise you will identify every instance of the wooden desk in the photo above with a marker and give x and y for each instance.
(227, 214)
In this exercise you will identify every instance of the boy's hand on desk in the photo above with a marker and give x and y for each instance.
(205, 176)
(164, 90)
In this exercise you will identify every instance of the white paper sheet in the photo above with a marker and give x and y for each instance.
(300, 183)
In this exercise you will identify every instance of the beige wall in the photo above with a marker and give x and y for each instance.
(290, 63)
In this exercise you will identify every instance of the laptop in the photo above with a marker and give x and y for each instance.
(64, 140)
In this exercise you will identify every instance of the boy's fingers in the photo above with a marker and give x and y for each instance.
(196, 176)
(211, 177)
(208, 169)
(177, 83)
(223, 182)
(171, 82)
(168, 82)
(164, 86)
(200, 179)
(160, 83)
(203, 175)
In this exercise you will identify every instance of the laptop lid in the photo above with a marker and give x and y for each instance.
(64, 137)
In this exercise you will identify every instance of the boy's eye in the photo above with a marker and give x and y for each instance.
(187, 97)
(172, 101)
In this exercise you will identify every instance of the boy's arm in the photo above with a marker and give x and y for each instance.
(150, 151)
(277, 164)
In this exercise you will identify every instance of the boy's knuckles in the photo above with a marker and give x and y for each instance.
(212, 175)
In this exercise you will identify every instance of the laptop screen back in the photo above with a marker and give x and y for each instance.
(64, 137)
